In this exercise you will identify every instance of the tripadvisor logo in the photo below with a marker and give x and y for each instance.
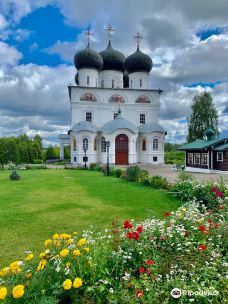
(175, 293)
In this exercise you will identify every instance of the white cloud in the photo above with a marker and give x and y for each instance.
(9, 55)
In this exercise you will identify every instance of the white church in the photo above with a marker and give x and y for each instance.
(113, 106)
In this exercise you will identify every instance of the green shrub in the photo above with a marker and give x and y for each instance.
(92, 166)
(133, 173)
(117, 172)
(174, 157)
(144, 178)
(183, 175)
(158, 182)
(15, 175)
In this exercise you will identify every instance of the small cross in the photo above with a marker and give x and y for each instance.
(138, 37)
(110, 30)
(89, 34)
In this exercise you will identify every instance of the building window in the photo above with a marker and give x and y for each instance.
(88, 97)
(115, 115)
(142, 118)
(131, 83)
(112, 83)
(95, 144)
(102, 83)
(155, 158)
(204, 159)
(143, 145)
(75, 159)
(220, 156)
(74, 145)
(143, 99)
(85, 144)
(190, 158)
(155, 144)
(103, 145)
(140, 83)
(197, 159)
(116, 98)
(89, 116)
(87, 80)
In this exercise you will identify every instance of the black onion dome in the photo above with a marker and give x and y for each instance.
(113, 59)
(125, 79)
(88, 58)
(138, 62)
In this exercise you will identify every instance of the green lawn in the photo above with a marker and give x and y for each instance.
(45, 202)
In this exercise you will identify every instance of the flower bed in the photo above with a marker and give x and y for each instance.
(135, 263)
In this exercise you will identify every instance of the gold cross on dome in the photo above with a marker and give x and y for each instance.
(110, 30)
(138, 38)
(89, 35)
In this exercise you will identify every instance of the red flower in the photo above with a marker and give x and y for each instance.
(139, 293)
(130, 235)
(127, 225)
(141, 269)
(149, 262)
(210, 221)
(139, 229)
(136, 236)
(219, 194)
(221, 207)
(202, 228)
(166, 213)
(203, 247)
(206, 232)
(214, 190)
(148, 271)
(216, 225)
(209, 211)
(162, 238)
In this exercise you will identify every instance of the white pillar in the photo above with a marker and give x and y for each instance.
(61, 151)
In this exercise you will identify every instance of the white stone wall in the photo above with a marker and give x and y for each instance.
(91, 74)
(139, 80)
(111, 79)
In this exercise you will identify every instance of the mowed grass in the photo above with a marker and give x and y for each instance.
(45, 202)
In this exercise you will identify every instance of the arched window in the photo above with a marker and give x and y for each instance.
(74, 145)
(95, 144)
(112, 83)
(143, 145)
(116, 98)
(131, 83)
(88, 97)
(143, 98)
(102, 83)
(85, 144)
(140, 83)
(155, 144)
(103, 145)
(87, 80)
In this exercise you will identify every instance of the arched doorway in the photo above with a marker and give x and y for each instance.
(121, 150)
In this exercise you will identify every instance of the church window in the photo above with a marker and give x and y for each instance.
(102, 83)
(74, 144)
(143, 99)
(112, 83)
(131, 83)
(115, 115)
(95, 144)
(87, 80)
(140, 82)
(75, 159)
(143, 145)
(155, 144)
(89, 116)
(103, 145)
(85, 144)
(88, 97)
(142, 118)
(116, 98)
(155, 158)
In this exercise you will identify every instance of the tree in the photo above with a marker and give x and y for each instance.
(204, 115)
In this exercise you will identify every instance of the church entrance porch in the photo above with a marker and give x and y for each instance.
(121, 150)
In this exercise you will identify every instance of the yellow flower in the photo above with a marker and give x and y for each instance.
(81, 242)
(77, 283)
(68, 265)
(87, 249)
(41, 265)
(18, 291)
(184, 209)
(28, 275)
(47, 243)
(75, 232)
(15, 267)
(55, 236)
(65, 236)
(56, 243)
(69, 242)
(3, 293)
(29, 257)
(64, 252)
(67, 284)
(42, 255)
(76, 252)
(4, 271)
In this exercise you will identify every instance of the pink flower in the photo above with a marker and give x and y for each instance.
(219, 194)
(148, 271)
(162, 238)
(214, 189)
(139, 294)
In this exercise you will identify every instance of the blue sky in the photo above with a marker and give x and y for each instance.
(38, 39)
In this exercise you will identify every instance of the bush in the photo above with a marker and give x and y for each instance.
(158, 182)
(183, 175)
(15, 175)
(133, 173)
(117, 172)
(92, 166)
(134, 263)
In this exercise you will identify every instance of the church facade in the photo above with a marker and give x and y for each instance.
(113, 106)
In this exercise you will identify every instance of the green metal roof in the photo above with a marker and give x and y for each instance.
(221, 148)
(200, 144)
